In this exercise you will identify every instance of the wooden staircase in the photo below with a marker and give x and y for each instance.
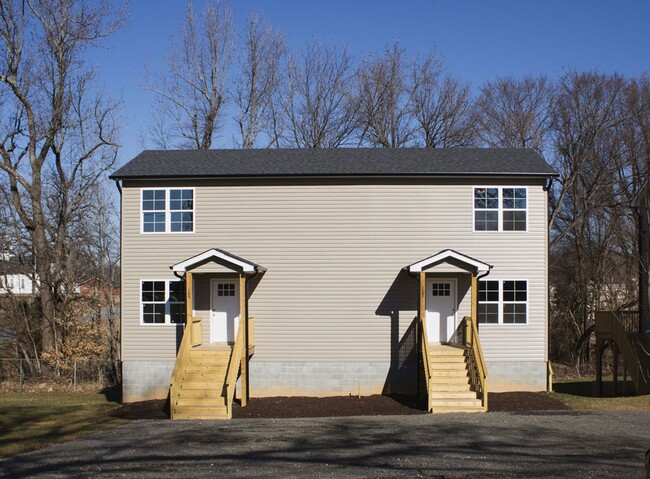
(202, 384)
(450, 386)
(455, 375)
(201, 391)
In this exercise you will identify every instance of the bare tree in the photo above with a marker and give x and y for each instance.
(192, 90)
(591, 227)
(385, 98)
(57, 134)
(587, 109)
(514, 113)
(98, 240)
(318, 104)
(259, 81)
(442, 108)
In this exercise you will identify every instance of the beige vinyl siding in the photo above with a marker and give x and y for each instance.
(334, 250)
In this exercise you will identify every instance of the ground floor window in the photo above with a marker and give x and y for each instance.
(503, 302)
(162, 301)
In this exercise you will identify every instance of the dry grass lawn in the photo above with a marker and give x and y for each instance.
(578, 394)
(31, 421)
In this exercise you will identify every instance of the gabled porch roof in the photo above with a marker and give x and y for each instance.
(215, 254)
(450, 256)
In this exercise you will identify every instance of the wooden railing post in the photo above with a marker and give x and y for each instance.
(244, 323)
(422, 303)
(474, 314)
(423, 336)
(188, 307)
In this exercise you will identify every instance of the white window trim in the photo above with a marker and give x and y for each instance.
(500, 210)
(500, 304)
(168, 211)
(167, 304)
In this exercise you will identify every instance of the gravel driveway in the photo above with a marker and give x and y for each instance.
(549, 444)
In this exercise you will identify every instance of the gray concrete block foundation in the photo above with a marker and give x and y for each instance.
(517, 376)
(279, 378)
(143, 380)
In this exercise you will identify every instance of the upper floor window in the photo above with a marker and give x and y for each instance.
(168, 210)
(500, 209)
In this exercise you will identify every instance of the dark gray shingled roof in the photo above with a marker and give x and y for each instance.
(335, 162)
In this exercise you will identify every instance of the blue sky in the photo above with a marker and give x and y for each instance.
(479, 40)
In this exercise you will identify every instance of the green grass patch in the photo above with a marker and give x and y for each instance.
(31, 421)
(579, 394)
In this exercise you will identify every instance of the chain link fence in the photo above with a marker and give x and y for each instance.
(19, 374)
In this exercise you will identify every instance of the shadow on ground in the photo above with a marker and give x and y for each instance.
(588, 388)
(449, 446)
(112, 393)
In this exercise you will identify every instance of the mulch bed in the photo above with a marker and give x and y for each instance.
(286, 407)
(337, 406)
(154, 409)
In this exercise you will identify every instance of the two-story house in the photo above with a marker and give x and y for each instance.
(365, 270)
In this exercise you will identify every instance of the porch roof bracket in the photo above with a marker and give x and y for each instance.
(217, 254)
(444, 256)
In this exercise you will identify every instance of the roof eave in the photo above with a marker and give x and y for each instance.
(345, 175)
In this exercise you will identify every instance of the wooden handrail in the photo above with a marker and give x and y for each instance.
(426, 357)
(236, 356)
(473, 341)
(179, 366)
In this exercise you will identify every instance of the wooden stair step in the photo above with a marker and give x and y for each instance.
(446, 350)
(201, 402)
(448, 366)
(194, 413)
(447, 354)
(456, 409)
(453, 395)
(201, 392)
(458, 373)
(447, 359)
(204, 376)
(209, 353)
(451, 387)
(201, 355)
(202, 385)
(209, 362)
(456, 401)
(213, 366)
(201, 409)
(193, 368)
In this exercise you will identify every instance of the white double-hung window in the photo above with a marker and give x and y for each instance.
(162, 301)
(503, 302)
(500, 209)
(168, 210)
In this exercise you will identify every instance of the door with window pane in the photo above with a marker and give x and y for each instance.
(441, 311)
(224, 315)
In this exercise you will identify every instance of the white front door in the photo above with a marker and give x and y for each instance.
(224, 317)
(441, 310)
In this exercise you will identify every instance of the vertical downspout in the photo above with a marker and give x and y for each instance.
(547, 305)
(121, 366)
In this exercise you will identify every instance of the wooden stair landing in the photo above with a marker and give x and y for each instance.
(450, 386)
(201, 393)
